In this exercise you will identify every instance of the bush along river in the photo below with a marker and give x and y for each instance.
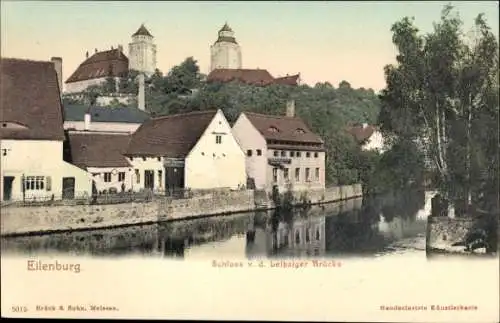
(369, 227)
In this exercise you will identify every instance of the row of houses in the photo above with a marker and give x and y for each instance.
(47, 151)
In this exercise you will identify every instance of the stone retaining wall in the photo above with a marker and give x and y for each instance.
(24, 220)
(17, 220)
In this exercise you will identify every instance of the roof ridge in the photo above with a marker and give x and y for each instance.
(184, 114)
(271, 115)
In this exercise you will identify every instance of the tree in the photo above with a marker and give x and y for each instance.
(440, 93)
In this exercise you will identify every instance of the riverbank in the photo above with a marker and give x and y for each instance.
(26, 220)
(447, 235)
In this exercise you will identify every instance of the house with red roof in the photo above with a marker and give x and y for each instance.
(32, 135)
(281, 151)
(195, 150)
(101, 65)
(368, 136)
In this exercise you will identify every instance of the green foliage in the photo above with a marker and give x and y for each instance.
(443, 94)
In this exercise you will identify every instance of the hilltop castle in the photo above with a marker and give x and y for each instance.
(97, 68)
(226, 64)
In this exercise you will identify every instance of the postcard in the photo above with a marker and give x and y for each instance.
(278, 161)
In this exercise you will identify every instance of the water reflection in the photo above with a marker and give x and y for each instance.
(355, 227)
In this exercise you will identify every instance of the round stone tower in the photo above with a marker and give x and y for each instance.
(142, 52)
(225, 52)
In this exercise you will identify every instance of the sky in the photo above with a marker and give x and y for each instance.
(323, 41)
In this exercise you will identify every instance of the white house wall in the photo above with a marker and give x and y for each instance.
(302, 162)
(141, 164)
(103, 126)
(211, 165)
(375, 142)
(250, 138)
(42, 159)
(80, 86)
(101, 184)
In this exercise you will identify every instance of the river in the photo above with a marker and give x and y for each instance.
(377, 227)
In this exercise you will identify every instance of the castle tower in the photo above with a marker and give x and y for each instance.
(225, 52)
(142, 52)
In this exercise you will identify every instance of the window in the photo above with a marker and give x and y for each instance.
(297, 174)
(121, 176)
(259, 152)
(308, 154)
(283, 153)
(275, 175)
(137, 176)
(159, 158)
(249, 152)
(218, 139)
(317, 234)
(297, 237)
(292, 154)
(273, 129)
(144, 158)
(307, 236)
(300, 130)
(316, 174)
(131, 158)
(298, 153)
(285, 174)
(316, 155)
(33, 183)
(276, 153)
(307, 174)
(107, 177)
(160, 177)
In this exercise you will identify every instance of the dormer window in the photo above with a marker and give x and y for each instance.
(273, 129)
(300, 130)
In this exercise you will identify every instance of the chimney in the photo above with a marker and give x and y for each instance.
(120, 48)
(87, 54)
(58, 67)
(141, 102)
(87, 120)
(290, 108)
(96, 50)
(365, 125)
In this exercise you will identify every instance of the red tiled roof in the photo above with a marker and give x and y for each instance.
(287, 80)
(249, 76)
(30, 102)
(142, 31)
(98, 150)
(283, 129)
(110, 63)
(171, 136)
(360, 133)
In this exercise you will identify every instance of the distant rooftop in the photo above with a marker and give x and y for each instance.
(76, 112)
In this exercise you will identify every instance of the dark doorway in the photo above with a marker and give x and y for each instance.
(149, 179)
(7, 187)
(174, 180)
(68, 186)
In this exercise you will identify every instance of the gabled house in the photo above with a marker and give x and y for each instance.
(368, 136)
(281, 151)
(101, 154)
(32, 135)
(194, 150)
